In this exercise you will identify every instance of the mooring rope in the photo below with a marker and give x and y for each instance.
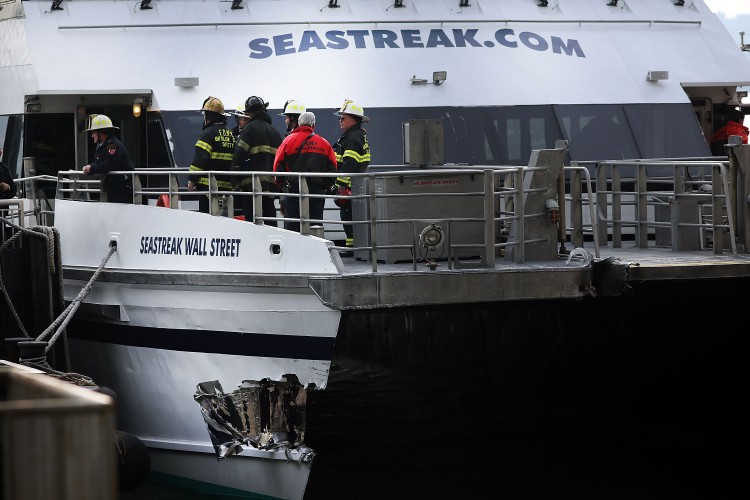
(12, 308)
(62, 321)
(61, 291)
(50, 234)
(64, 318)
(19, 231)
(41, 364)
(54, 262)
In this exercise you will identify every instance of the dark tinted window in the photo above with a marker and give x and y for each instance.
(158, 155)
(597, 132)
(183, 130)
(503, 135)
(667, 130)
(49, 139)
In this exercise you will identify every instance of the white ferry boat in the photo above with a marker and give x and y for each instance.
(189, 299)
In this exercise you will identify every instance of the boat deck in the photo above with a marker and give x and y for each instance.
(458, 235)
(399, 284)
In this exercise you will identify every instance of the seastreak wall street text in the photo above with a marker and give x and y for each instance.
(182, 245)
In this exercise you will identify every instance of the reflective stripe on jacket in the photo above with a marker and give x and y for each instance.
(255, 149)
(352, 153)
(213, 151)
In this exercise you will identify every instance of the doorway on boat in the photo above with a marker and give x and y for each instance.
(47, 148)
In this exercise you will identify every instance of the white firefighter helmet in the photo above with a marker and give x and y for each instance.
(293, 107)
(352, 108)
(100, 122)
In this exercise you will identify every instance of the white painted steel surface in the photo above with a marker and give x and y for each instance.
(155, 386)
(497, 53)
(130, 224)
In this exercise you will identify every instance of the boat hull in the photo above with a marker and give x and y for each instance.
(153, 335)
(272, 477)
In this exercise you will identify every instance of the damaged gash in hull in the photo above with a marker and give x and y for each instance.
(265, 414)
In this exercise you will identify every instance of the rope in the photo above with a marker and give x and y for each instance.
(54, 262)
(19, 230)
(12, 308)
(579, 253)
(10, 240)
(50, 240)
(61, 294)
(64, 318)
(72, 377)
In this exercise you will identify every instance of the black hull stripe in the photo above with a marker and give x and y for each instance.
(207, 341)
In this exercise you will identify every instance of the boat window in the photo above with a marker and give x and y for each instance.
(3, 127)
(53, 150)
(158, 154)
(597, 132)
(501, 135)
(11, 142)
(667, 131)
(518, 130)
(538, 134)
(183, 130)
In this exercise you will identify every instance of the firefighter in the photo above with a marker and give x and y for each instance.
(292, 110)
(240, 119)
(352, 156)
(213, 151)
(110, 156)
(254, 152)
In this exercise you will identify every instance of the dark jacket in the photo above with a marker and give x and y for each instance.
(213, 151)
(111, 156)
(352, 153)
(7, 177)
(255, 150)
(304, 151)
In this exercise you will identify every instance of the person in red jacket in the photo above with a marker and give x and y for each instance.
(734, 126)
(304, 151)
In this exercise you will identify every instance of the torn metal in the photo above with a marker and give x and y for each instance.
(265, 414)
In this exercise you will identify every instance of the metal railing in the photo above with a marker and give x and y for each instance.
(470, 216)
(470, 209)
(686, 204)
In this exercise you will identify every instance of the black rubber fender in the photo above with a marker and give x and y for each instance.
(133, 461)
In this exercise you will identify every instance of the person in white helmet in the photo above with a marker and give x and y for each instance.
(110, 156)
(240, 119)
(292, 109)
(353, 156)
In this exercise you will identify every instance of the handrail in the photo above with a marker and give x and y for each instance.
(472, 208)
(631, 183)
(440, 186)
